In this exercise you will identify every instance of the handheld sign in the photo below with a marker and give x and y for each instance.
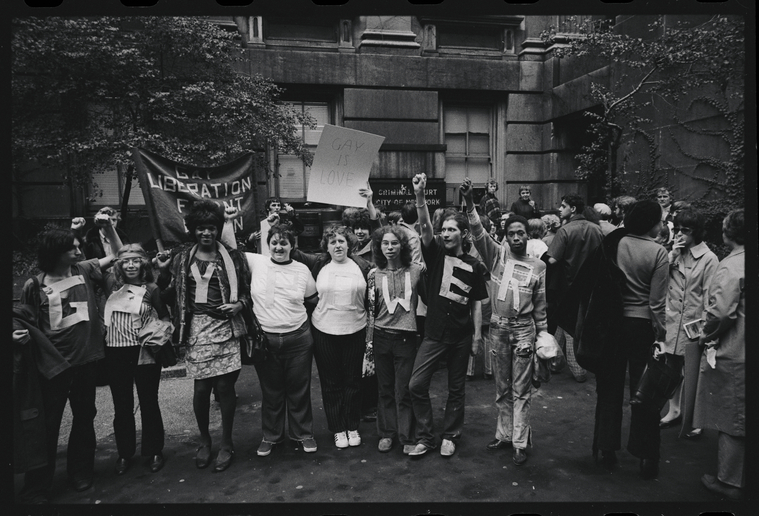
(341, 166)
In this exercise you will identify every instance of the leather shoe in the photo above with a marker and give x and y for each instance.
(82, 483)
(122, 465)
(156, 463)
(223, 460)
(649, 469)
(693, 435)
(672, 422)
(497, 444)
(203, 456)
(519, 457)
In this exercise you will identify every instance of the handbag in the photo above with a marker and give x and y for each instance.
(156, 337)
(658, 383)
(253, 345)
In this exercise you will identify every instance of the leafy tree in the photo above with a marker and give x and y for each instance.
(86, 90)
(679, 67)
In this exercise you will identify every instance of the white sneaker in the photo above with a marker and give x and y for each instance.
(447, 448)
(341, 440)
(353, 438)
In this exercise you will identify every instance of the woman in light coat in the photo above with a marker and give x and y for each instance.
(721, 392)
(691, 267)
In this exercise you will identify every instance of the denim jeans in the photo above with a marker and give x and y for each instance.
(456, 350)
(394, 355)
(514, 344)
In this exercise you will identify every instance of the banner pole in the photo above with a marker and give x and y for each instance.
(142, 175)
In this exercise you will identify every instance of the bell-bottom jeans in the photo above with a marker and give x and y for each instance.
(513, 340)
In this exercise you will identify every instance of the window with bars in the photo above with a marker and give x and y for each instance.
(468, 139)
(291, 182)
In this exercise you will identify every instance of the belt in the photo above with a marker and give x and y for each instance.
(515, 318)
(390, 331)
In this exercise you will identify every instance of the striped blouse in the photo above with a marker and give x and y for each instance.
(124, 327)
(122, 332)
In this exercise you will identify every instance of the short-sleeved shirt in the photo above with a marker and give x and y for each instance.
(342, 299)
(278, 291)
(454, 282)
(573, 243)
(69, 314)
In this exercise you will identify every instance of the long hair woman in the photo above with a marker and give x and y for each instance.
(393, 296)
(134, 301)
(209, 287)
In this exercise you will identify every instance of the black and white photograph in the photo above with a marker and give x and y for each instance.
(319, 258)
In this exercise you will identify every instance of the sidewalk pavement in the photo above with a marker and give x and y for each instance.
(559, 469)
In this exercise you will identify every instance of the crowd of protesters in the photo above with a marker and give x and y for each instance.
(381, 307)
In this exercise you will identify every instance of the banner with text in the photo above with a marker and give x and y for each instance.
(170, 188)
(341, 166)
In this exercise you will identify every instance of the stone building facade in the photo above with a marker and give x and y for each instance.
(476, 96)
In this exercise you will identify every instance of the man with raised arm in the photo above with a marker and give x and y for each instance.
(518, 302)
(455, 287)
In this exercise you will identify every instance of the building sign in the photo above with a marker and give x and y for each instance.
(392, 194)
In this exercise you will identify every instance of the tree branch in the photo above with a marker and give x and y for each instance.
(634, 90)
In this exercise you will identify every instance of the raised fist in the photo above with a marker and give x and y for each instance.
(466, 189)
(77, 223)
(230, 212)
(420, 183)
(102, 219)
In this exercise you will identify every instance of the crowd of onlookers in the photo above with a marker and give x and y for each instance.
(386, 300)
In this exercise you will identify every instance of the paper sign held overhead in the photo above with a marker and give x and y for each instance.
(341, 166)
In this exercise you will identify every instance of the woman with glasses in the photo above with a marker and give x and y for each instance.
(691, 267)
(134, 301)
(393, 296)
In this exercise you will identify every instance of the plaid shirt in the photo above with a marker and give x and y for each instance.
(491, 207)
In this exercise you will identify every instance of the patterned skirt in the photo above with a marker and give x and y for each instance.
(212, 349)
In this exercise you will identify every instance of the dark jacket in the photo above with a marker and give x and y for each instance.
(93, 247)
(591, 311)
(29, 448)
